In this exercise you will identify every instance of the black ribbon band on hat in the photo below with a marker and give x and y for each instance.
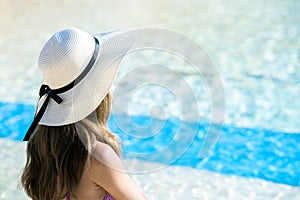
(53, 94)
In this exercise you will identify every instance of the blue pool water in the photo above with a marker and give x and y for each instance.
(269, 155)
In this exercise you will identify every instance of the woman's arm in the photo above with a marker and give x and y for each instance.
(107, 171)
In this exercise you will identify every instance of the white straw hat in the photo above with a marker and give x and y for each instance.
(78, 70)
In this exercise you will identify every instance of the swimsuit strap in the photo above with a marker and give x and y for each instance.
(68, 197)
(108, 197)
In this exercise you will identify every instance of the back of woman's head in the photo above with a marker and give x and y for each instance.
(57, 156)
(59, 151)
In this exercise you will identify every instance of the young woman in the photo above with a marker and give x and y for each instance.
(71, 154)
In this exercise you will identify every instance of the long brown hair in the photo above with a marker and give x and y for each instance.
(58, 156)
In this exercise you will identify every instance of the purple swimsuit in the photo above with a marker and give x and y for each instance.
(107, 197)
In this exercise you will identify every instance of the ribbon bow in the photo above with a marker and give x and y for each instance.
(45, 89)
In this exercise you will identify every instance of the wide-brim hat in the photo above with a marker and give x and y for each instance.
(78, 70)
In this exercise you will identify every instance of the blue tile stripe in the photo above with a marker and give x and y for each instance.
(265, 154)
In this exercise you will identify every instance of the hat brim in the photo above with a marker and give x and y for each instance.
(87, 94)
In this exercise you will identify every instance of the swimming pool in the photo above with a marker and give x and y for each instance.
(255, 47)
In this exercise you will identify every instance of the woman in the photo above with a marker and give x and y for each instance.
(71, 154)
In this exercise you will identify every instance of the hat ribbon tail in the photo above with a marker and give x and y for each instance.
(45, 89)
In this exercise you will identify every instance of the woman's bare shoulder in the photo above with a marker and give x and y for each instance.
(103, 156)
(107, 171)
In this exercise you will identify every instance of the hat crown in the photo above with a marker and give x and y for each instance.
(64, 56)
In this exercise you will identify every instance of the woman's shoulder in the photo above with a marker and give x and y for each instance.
(102, 148)
(104, 155)
(108, 172)
(105, 166)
